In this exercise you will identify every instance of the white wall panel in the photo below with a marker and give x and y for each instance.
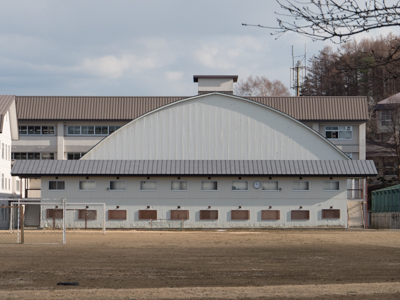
(215, 127)
(224, 200)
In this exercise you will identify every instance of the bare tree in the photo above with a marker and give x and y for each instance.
(260, 86)
(335, 20)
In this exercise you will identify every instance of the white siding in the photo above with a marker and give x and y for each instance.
(215, 127)
(224, 200)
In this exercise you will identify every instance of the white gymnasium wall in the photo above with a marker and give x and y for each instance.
(224, 200)
(215, 127)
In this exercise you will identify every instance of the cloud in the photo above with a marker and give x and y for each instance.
(173, 76)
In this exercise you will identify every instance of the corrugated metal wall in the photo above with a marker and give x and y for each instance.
(215, 127)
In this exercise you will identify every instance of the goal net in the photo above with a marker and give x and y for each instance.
(35, 221)
(158, 224)
(85, 216)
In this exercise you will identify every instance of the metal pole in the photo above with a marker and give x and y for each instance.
(104, 218)
(64, 223)
(22, 224)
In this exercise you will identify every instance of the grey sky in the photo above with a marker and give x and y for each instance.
(132, 48)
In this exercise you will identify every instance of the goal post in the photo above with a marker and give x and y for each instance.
(86, 215)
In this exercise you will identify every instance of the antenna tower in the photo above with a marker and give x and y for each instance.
(298, 70)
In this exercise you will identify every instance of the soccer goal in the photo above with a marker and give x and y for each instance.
(37, 221)
(85, 216)
(158, 224)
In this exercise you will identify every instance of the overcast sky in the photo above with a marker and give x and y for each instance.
(138, 48)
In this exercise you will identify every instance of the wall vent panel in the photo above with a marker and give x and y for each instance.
(208, 214)
(270, 215)
(117, 214)
(147, 215)
(300, 215)
(331, 214)
(179, 215)
(240, 214)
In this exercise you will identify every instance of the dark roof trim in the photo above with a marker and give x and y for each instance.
(196, 77)
(37, 168)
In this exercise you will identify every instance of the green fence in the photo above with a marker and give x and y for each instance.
(386, 200)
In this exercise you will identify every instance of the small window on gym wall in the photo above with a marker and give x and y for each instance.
(57, 185)
(300, 185)
(87, 185)
(240, 185)
(270, 185)
(148, 185)
(118, 185)
(331, 185)
(209, 185)
(178, 185)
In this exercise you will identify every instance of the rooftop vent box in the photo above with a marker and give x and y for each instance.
(215, 83)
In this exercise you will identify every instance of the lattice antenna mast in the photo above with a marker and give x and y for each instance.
(298, 71)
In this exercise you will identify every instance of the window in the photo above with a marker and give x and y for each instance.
(75, 155)
(17, 185)
(91, 130)
(2, 181)
(339, 132)
(118, 185)
(2, 151)
(270, 185)
(300, 185)
(57, 185)
(87, 185)
(178, 185)
(209, 185)
(331, 185)
(9, 184)
(36, 130)
(386, 118)
(31, 155)
(240, 186)
(148, 185)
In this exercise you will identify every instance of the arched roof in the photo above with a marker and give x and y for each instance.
(215, 126)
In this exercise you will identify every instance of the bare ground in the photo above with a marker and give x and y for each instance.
(252, 264)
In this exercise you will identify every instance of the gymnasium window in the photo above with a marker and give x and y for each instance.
(58, 185)
(87, 185)
(118, 185)
(331, 185)
(209, 185)
(339, 132)
(270, 185)
(240, 185)
(300, 185)
(148, 185)
(178, 185)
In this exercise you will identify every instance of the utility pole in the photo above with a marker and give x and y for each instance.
(298, 71)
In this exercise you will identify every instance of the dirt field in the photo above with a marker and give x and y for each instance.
(267, 264)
